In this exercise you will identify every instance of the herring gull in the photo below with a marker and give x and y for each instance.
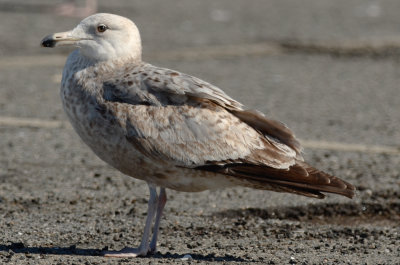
(171, 129)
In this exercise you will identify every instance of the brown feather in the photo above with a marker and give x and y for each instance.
(300, 178)
(269, 127)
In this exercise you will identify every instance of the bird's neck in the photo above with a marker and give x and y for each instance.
(79, 67)
(77, 62)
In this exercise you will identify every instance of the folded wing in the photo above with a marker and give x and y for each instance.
(180, 119)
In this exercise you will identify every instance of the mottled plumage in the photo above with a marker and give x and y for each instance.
(171, 129)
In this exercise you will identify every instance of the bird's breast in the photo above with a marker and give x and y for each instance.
(98, 129)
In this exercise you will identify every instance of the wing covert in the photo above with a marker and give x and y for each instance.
(180, 118)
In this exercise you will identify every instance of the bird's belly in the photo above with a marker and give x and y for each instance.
(191, 180)
(107, 140)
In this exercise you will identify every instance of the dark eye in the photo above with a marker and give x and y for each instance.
(102, 28)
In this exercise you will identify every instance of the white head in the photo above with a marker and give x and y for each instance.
(101, 37)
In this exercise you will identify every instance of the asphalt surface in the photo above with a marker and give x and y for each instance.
(328, 69)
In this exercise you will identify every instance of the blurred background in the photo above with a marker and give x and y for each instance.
(328, 69)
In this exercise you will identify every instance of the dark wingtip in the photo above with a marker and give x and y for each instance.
(350, 191)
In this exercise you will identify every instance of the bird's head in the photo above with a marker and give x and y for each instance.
(101, 37)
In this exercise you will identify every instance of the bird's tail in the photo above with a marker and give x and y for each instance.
(300, 178)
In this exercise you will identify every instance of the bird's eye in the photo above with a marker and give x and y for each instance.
(101, 28)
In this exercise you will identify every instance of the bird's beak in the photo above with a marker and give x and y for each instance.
(59, 39)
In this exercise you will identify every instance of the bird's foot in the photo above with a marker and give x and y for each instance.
(152, 250)
(126, 253)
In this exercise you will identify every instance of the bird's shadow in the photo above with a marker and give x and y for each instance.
(20, 248)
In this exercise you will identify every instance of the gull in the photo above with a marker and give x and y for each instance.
(171, 129)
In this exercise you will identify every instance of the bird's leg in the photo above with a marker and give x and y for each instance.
(143, 249)
(162, 200)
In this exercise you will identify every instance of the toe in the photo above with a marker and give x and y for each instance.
(125, 253)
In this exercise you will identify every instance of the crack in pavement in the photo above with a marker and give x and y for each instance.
(382, 48)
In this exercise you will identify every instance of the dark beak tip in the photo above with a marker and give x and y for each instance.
(48, 43)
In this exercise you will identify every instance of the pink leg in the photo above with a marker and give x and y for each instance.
(162, 200)
(143, 249)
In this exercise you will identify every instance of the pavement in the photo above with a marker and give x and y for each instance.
(328, 69)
